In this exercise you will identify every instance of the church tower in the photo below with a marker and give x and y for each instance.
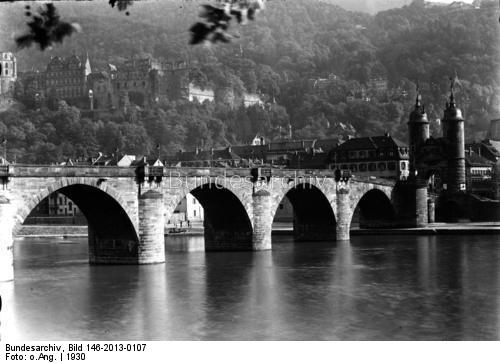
(8, 72)
(454, 136)
(418, 130)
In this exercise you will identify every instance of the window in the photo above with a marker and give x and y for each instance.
(391, 166)
(194, 200)
(372, 154)
(403, 166)
(194, 213)
(362, 167)
(381, 166)
(353, 167)
(362, 154)
(372, 167)
(353, 154)
(344, 167)
(281, 206)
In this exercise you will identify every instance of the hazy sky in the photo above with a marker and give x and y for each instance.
(449, 1)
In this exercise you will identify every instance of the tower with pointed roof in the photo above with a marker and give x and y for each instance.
(454, 136)
(418, 130)
(88, 70)
(8, 72)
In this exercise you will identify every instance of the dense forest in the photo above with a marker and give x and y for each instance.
(289, 43)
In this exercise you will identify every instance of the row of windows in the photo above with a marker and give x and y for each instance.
(65, 81)
(100, 88)
(480, 171)
(367, 154)
(69, 92)
(362, 154)
(64, 74)
(382, 166)
(126, 84)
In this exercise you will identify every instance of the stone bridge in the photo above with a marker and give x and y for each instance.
(126, 208)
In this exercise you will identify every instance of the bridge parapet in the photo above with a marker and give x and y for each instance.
(42, 171)
(27, 170)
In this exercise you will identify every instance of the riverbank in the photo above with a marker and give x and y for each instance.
(282, 229)
(431, 229)
(54, 231)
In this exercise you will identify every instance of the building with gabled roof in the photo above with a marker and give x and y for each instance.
(377, 156)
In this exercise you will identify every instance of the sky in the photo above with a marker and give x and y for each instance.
(449, 1)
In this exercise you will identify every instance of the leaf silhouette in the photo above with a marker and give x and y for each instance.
(46, 28)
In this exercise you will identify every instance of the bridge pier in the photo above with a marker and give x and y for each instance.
(262, 221)
(6, 240)
(344, 215)
(151, 248)
(411, 204)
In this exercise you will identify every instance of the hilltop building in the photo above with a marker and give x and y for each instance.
(319, 86)
(200, 94)
(138, 81)
(8, 73)
(378, 84)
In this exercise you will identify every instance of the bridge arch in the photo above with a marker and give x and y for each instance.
(313, 214)
(228, 223)
(112, 225)
(373, 209)
(30, 200)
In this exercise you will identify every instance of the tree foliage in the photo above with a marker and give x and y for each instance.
(291, 43)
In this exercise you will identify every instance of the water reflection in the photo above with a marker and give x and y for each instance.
(376, 288)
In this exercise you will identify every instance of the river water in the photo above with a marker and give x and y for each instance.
(375, 288)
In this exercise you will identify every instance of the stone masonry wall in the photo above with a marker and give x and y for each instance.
(151, 247)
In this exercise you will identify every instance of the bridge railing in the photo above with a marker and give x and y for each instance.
(30, 170)
(26, 170)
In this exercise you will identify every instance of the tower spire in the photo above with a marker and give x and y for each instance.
(88, 69)
(418, 101)
(452, 95)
